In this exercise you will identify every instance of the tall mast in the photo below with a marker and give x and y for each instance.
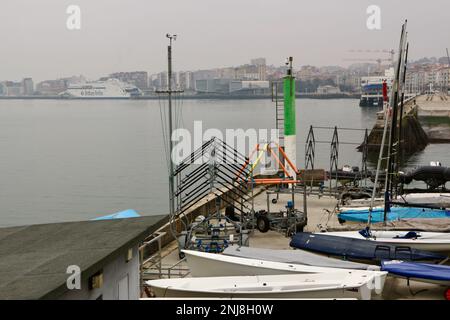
(380, 157)
(393, 128)
(169, 93)
(399, 156)
(392, 101)
(168, 128)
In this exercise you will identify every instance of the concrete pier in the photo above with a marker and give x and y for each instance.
(414, 138)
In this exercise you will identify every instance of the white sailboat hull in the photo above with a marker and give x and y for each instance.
(431, 199)
(313, 286)
(438, 199)
(217, 265)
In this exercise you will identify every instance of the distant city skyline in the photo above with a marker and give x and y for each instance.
(115, 36)
(114, 73)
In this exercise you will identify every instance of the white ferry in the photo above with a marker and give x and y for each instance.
(108, 89)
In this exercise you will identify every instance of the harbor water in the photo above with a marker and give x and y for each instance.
(68, 160)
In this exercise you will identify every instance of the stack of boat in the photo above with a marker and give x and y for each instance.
(332, 265)
(401, 253)
(409, 206)
(228, 275)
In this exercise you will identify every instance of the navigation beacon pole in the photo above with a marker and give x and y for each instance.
(169, 93)
(290, 134)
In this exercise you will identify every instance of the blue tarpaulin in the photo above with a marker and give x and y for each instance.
(396, 213)
(424, 271)
(120, 215)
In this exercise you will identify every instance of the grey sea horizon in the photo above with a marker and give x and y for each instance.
(76, 160)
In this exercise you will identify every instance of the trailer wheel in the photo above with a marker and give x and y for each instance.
(274, 200)
(263, 224)
(300, 227)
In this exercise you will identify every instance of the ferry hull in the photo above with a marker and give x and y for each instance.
(371, 102)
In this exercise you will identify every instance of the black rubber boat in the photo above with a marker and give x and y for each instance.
(434, 176)
(359, 249)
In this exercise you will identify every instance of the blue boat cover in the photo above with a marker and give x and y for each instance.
(130, 213)
(359, 249)
(396, 213)
(417, 270)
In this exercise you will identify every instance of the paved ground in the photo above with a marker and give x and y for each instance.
(434, 115)
(433, 105)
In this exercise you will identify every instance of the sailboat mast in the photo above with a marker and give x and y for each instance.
(380, 157)
(399, 156)
(393, 128)
(386, 110)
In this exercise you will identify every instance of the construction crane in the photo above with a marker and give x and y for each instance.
(377, 60)
(448, 57)
(380, 51)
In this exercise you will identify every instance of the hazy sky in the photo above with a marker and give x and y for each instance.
(127, 35)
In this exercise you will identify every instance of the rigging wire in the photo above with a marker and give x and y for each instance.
(163, 117)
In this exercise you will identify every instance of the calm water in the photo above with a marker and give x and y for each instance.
(75, 160)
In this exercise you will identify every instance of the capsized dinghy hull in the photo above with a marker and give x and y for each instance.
(358, 249)
(427, 241)
(433, 199)
(423, 272)
(296, 286)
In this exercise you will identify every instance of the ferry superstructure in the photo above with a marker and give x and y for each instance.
(107, 89)
(372, 89)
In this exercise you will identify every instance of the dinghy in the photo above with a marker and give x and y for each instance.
(431, 199)
(202, 264)
(395, 213)
(426, 199)
(359, 249)
(339, 285)
(428, 241)
(423, 272)
(294, 256)
(433, 176)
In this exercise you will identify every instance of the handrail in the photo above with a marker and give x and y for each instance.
(156, 238)
(169, 269)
